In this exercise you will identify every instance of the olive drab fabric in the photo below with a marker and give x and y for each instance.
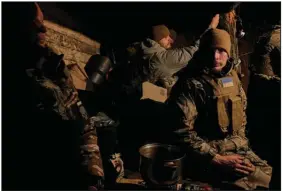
(210, 113)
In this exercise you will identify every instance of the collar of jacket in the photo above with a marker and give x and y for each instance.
(150, 47)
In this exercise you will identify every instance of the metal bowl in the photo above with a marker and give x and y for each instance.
(161, 164)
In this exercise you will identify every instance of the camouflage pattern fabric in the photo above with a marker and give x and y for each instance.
(266, 58)
(93, 157)
(200, 132)
(168, 83)
(90, 150)
(54, 86)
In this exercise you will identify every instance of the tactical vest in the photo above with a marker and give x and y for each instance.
(229, 105)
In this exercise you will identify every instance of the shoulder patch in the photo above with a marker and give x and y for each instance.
(226, 82)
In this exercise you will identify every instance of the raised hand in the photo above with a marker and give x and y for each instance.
(215, 21)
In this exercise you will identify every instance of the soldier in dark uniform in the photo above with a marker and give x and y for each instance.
(43, 117)
(211, 108)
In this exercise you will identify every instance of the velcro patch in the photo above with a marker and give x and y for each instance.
(226, 82)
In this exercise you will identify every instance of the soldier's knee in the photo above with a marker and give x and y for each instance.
(261, 178)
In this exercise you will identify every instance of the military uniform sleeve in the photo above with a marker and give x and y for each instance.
(186, 105)
(176, 59)
(266, 56)
(263, 62)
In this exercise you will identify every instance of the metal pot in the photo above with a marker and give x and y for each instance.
(161, 164)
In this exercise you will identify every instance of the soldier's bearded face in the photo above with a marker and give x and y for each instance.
(220, 59)
(166, 42)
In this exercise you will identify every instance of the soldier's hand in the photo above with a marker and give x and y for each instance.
(246, 167)
(215, 21)
(72, 99)
(229, 160)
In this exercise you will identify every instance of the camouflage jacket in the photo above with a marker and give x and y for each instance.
(192, 101)
(53, 86)
(266, 58)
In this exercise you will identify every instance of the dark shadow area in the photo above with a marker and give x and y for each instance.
(27, 133)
